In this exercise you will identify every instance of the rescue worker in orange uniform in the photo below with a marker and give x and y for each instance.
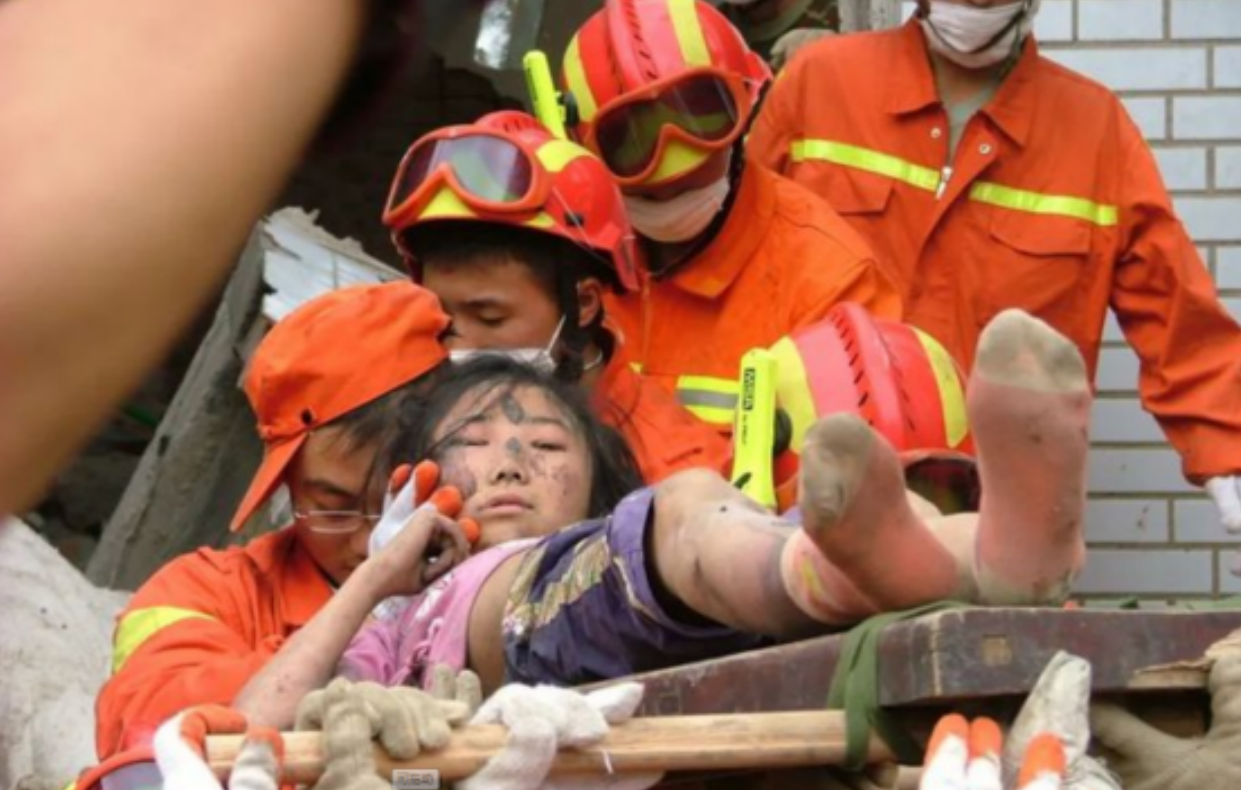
(520, 234)
(991, 177)
(257, 627)
(737, 257)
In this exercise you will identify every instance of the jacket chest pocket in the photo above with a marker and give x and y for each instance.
(854, 194)
(1036, 262)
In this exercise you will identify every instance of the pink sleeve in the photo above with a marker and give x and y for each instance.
(375, 654)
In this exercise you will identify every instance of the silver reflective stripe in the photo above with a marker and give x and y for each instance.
(713, 400)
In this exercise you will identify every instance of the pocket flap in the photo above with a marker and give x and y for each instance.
(859, 193)
(1040, 234)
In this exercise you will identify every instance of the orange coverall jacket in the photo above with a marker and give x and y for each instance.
(663, 436)
(781, 260)
(200, 629)
(1053, 204)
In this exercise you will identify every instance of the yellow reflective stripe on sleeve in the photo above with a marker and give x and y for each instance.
(556, 155)
(793, 390)
(142, 624)
(865, 159)
(1038, 203)
(709, 399)
(951, 395)
(684, 15)
(575, 81)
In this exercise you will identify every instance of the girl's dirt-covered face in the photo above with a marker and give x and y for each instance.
(520, 461)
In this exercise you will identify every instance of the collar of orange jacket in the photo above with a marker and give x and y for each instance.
(912, 85)
(717, 266)
(302, 587)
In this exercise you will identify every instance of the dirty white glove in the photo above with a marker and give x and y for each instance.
(1059, 704)
(1226, 491)
(180, 745)
(1147, 759)
(791, 42)
(353, 715)
(543, 719)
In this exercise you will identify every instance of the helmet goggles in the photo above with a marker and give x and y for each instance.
(703, 108)
(488, 172)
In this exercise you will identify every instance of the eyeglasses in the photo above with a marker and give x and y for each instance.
(335, 522)
(487, 172)
(705, 108)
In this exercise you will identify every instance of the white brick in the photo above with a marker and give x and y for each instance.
(1228, 267)
(1210, 218)
(1206, 117)
(1122, 422)
(1229, 582)
(1055, 21)
(1227, 67)
(1183, 168)
(1139, 69)
(1111, 328)
(1233, 306)
(1118, 370)
(1127, 521)
(1197, 521)
(1228, 166)
(1206, 19)
(1119, 20)
(1137, 471)
(1119, 572)
(1150, 114)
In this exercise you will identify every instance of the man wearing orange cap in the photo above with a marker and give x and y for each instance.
(256, 627)
(520, 234)
(737, 256)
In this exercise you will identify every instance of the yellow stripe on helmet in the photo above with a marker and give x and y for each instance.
(575, 81)
(951, 393)
(688, 30)
(555, 155)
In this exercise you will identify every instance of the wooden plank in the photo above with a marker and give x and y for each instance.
(201, 459)
(650, 745)
(945, 658)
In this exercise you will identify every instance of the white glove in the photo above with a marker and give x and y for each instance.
(1226, 491)
(543, 719)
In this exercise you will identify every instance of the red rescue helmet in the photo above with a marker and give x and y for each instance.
(896, 377)
(508, 169)
(659, 86)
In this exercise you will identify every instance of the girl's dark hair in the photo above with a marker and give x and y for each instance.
(558, 264)
(488, 377)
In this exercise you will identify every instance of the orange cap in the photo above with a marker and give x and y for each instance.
(333, 354)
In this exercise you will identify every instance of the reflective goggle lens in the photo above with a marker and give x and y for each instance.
(489, 168)
(702, 106)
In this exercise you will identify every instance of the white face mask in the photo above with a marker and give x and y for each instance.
(966, 35)
(540, 359)
(681, 218)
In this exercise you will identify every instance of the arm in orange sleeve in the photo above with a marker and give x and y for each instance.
(779, 120)
(184, 640)
(1165, 300)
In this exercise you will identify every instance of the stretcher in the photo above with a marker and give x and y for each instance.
(757, 721)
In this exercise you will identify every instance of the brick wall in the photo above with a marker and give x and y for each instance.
(1176, 64)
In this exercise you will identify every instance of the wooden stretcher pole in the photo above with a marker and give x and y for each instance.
(643, 745)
